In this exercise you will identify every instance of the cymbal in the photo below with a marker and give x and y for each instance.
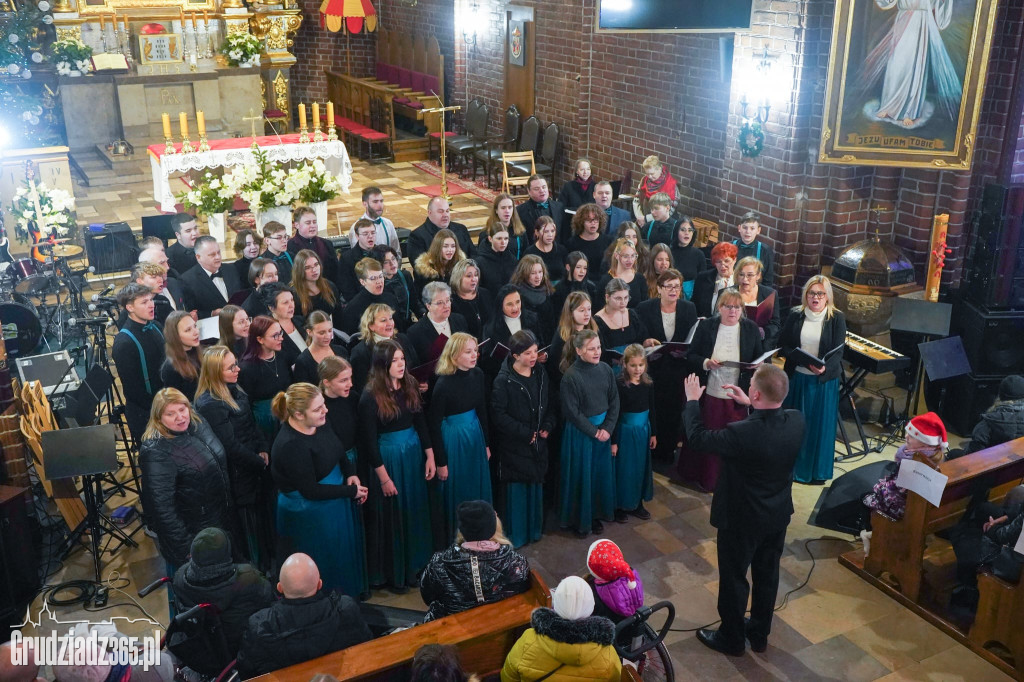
(67, 250)
(49, 243)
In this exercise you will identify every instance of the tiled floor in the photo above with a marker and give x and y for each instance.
(837, 627)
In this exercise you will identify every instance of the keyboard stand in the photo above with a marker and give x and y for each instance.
(846, 391)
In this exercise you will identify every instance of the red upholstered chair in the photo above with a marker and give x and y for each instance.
(277, 120)
(380, 134)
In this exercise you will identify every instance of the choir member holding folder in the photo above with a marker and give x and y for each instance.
(761, 302)
(669, 319)
(812, 339)
(724, 347)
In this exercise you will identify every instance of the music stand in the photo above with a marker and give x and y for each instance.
(944, 359)
(88, 452)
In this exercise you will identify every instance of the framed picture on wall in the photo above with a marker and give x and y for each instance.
(905, 82)
(516, 42)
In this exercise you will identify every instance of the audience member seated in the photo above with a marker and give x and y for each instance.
(480, 568)
(209, 286)
(1004, 421)
(618, 590)
(565, 643)
(275, 236)
(306, 624)
(978, 540)
(306, 228)
(540, 204)
(181, 254)
(362, 247)
(210, 577)
(185, 484)
(439, 217)
(261, 273)
(247, 246)
(438, 663)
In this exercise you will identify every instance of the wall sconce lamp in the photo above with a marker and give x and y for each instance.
(470, 24)
(760, 87)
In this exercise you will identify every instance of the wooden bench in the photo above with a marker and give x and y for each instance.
(483, 636)
(1000, 618)
(897, 547)
(414, 71)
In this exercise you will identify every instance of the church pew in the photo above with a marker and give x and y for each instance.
(414, 72)
(897, 547)
(483, 636)
(999, 617)
(360, 107)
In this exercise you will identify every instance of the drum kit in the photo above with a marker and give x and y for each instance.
(38, 295)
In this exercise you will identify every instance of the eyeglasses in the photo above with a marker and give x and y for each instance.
(688, 230)
(671, 287)
(732, 307)
(375, 278)
(233, 367)
(278, 335)
(442, 302)
(278, 236)
(816, 294)
(747, 275)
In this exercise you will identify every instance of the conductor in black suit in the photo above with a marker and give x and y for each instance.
(209, 286)
(752, 503)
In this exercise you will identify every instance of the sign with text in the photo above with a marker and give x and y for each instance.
(160, 48)
(922, 479)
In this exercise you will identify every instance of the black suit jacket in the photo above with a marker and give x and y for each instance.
(703, 291)
(348, 283)
(833, 333)
(419, 240)
(529, 211)
(650, 314)
(179, 258)
(755, 486)
(703, 346)
(163, 306)
(422, 335)
(202, 295)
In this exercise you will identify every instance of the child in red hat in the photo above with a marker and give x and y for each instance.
(926, 435)
(618, 592)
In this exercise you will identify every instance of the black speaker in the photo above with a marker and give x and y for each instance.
(840, 507)
(19, 547)
(159, 226)
(965, 399)
(111, 249)
(993, 339)
(994, 272)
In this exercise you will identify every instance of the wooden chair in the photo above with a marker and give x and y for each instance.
(489, 155)
(508, 160)
(380, 131)
(706, 231)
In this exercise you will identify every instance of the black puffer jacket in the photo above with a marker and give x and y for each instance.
(293, 631)
(1002, 423)
(242, 441)
(185, 488)
(447, 583)
(238, 595)
(515, 419)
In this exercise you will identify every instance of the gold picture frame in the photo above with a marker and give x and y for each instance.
(161, 48)
(885, 103)
(93, 7)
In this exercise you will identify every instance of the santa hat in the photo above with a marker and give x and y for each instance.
(606, 563)
(928, 429)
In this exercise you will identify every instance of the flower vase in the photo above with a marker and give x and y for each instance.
(215, 224)
(320, 208)
(280, 214)
(74, 73)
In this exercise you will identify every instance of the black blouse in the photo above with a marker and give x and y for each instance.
(306, 368)
(594, 251)
(372, 425)
(455, 394)
(634, 332)
(299, 461)
(636, 398)
(477, 311)
(263, 379)
(554, 260)
(341, 418)
(172, 379)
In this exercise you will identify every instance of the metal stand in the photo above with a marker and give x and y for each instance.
(846, 391)
(96, 523)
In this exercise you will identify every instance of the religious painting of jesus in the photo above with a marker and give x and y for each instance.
(905, 82)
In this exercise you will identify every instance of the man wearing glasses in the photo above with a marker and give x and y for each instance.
(275, 236)
(370, 274)
(366, 239)
(373, 205)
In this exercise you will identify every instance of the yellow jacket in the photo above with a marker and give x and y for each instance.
(572, 650)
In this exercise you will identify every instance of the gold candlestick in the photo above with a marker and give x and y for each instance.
(169, 145)
(204, 144)
(186, 146)
(332, 134)
(318, 136)
(303, 134)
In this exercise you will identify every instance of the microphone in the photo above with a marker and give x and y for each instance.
(104, 293)
(101, 320)
(104, 300)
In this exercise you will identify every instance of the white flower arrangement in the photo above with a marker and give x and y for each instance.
(55, 207)
(241, 49)
(74, 53)
(207, 198)
(314, 183)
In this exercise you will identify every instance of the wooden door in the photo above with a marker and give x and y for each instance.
(519, 80)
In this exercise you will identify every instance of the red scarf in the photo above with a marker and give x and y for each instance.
(584, 185)
(666, 183)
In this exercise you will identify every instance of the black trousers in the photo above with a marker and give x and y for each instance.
(740, 549)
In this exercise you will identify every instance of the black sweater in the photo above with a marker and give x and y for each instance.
(299, 461)
(594, 251)
(636, 398)
(589, 389)
(262, 379)
(455, 394)
(341, 418)
(372, 425)
(477, 311)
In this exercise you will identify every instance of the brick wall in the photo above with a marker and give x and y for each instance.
(619, 97)
(317, 49)
(1017, 173)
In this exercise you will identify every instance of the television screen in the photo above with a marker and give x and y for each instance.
(674, 15)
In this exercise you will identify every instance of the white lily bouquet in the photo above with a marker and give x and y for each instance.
(55, 208)
(241, 49)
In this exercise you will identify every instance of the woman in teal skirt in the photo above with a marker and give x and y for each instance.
(264, 371)
(634, 438)
(320, 493)
(590, 405)
(458, 424)
(523, 420)
(336, 384)
(815, 327)
(396, 445)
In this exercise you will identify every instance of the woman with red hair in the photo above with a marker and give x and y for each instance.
(710, 283)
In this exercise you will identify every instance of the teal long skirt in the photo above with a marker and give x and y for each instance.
(523, 519)
(398, 529)
(588, 478)
(330, 532)
(265, 419)
(634, 479)
(469, 477)
(819, 404)
(688, 290)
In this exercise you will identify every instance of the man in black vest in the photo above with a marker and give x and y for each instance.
(540, 203)
(752, 503)
(209, 286)
(138, 352)
(181, 253)
(439, 217)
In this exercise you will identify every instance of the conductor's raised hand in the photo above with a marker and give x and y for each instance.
(736, 393)
(693, 388)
